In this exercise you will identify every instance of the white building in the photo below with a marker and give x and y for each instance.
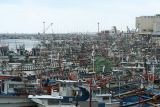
(148, 24)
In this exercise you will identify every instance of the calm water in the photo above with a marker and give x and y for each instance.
(13, 43)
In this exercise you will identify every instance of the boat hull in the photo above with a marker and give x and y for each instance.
(16, 101)
(56, 106)
(112, 104)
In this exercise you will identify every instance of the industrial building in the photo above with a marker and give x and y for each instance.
(148, 24)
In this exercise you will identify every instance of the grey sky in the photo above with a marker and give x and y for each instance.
(27, 16)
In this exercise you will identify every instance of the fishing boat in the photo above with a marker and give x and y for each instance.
(49, 101)
(107, 101)
(64, 93)
(13, 92)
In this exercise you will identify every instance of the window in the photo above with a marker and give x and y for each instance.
(150, 30)
(63, 85)
(144, 30)
(11, 86)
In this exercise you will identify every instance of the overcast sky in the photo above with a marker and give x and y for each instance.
(27, 16)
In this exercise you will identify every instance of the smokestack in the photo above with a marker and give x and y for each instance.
(44, 27)
(98, 27)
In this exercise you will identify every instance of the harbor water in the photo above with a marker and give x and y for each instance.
(14, 43)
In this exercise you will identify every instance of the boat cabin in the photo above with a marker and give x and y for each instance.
(68, 87)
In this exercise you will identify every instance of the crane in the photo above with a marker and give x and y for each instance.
(45, 29)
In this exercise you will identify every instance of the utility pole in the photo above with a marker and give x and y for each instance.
(90, 98)
(93, 54)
